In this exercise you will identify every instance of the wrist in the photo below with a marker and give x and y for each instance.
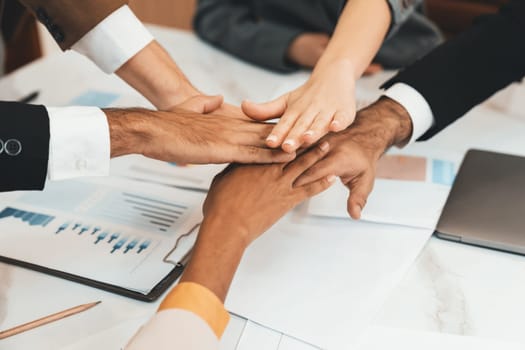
(380, 126)
(127, 131)
(398, 119)
(215, 258)
(222, 231)
(166, 98)
(343, 64)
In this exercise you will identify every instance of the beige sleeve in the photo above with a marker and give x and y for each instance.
(173, 329)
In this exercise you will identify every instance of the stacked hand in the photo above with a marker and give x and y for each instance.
(244, 201)
(355, 151)
(189, 133)
(324, 103)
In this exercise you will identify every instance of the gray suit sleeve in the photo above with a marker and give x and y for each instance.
(231, 26)
(401, 10)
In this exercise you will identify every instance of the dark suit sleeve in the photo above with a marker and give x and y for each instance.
(69, 20)
(470, 68)
(230, 25)
(24, 133)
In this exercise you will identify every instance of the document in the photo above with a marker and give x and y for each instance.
(409, 190)
(117, 232)
(137, 167)
(322, 280)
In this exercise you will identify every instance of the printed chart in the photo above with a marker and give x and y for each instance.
(114, 232)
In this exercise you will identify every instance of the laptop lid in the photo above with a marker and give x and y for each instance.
(486, 206)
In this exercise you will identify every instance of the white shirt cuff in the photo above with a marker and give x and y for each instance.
(115, 40)
(416, 106)
(79, 144)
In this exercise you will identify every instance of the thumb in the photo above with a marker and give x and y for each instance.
(265, 111)
(360, 189)
(202, 104)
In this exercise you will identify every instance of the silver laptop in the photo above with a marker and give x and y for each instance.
(486, 206)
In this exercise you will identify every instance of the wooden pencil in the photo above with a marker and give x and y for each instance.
(47, 319)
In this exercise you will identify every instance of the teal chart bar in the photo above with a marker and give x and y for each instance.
(32, 219)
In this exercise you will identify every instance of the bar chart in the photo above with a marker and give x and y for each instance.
(32, 219)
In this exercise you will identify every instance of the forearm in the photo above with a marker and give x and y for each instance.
(154, 74)
(216, 257)
(359, 34)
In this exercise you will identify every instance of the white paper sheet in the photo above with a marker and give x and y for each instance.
(412, 192)
(391, 202)
(255, 337)
(149, 170)
(322, 280)
(114, 231)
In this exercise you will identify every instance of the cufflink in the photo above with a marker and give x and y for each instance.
(1, 146)
(12, 147)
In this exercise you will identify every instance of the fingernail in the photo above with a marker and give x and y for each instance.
(331, 178)
(271, 138)
(324, 146)
(309, 133)
(289, 142)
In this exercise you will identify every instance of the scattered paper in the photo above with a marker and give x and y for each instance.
(322, 280)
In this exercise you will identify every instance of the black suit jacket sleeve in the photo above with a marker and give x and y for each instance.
(29, 125)
(231, 25)
(468, 69)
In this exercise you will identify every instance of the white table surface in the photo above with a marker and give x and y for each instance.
(452, 290)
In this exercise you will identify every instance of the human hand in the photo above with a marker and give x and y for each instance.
(243, 202)
(306, 49)
(251, 198)
(230, 110)
(187, 135)
(355, 151)
(324, 103)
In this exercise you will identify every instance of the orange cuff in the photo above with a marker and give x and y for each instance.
(201, 301)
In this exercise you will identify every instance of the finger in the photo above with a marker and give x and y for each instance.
(280, 130)
(294, 139)
(316, 187)
(360, 189)
(265, 111)
(259, 155)
(253, 134)
(323, 168)
(342, 120)
(319, 128)
(202, 104)
(305, 161)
